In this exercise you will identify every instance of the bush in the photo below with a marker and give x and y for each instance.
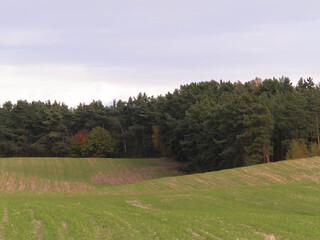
(297, 149)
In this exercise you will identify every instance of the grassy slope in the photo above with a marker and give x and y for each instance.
(71, 174)
(245, 203)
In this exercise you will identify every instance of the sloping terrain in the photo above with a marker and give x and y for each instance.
(281, 199)
(78, 174)
(284, 172)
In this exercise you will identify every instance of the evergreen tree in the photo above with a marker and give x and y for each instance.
(53, 140)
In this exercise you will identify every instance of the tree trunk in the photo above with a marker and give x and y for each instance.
(124, 141)
(266, 157)
(317, 123)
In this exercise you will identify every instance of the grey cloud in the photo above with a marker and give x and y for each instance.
(162, 41)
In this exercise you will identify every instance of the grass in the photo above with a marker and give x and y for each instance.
(71, 174)
(245, 203)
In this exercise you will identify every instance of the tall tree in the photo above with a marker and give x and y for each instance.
(53, 141)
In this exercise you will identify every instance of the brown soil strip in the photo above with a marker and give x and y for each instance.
(172, 183)
(124, 177)
(138, 204)
(65, 229)
(36, 226)
(10, 184)
(98, 230)
(201, 181)
(269, 176)
(254, 230)
(64, 226)
(124, 225)
(21, 183)
(196, 235)
(210, 234)
(3, 223)
(5, 216)
(135, 175)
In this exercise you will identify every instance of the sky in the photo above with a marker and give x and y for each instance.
(76, 51)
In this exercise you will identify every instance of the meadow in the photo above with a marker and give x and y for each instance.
(66, 198)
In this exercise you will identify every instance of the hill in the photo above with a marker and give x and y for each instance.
(76, 174)
(246, 203)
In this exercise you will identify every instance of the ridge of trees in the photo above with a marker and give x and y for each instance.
(209, 125)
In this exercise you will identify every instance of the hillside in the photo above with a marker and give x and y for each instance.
(246, 203)
(284, 172)
(77, 174)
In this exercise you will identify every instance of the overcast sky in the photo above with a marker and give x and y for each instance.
(75, 51)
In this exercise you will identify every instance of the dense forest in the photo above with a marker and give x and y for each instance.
(208, 125)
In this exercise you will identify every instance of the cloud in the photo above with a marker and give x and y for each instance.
(71, 84)
(74, 84)
(79, 50)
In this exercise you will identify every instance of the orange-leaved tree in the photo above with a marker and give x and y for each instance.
(77, 142)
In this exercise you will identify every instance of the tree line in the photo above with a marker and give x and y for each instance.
(208, 125)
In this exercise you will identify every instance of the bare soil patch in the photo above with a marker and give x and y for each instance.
(138, 204)
(20, 183)
(269, 176)
(36, 226)
(124, 177)
(3, 223)
(135, 175)
(196, 235)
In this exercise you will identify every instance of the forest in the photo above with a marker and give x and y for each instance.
(208, 125)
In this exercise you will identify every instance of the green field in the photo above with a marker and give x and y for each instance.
(65, 198)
